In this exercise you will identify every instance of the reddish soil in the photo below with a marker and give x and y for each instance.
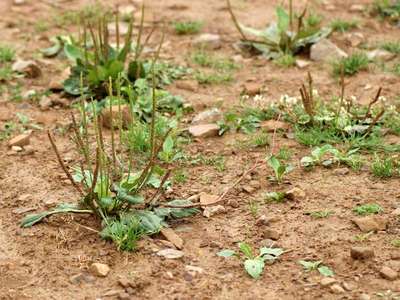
(41, 262)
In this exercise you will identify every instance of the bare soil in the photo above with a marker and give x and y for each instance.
(42, 262)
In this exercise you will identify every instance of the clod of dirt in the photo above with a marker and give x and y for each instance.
(204, 130)
(341, 171)
(252, 88)
(208, 41)
(301, 63)
(264, 220)
(188, 85)
(355, 39)
(99, 269)
(396, 212)
(45, 103)
(327, 281)
(208, 116)
(357, 8)
(325, 50)
(112, 117)
(272, 125)
(210, 211)
(27, 67)
(170, 253)
(361, 253)
(19, 2)
(272, 234)
(171, 236)
(81, 277)
(388, 273)
(337, 289)
(379, 54)
(16, 148)
(295, 194)
(20, 140)
(193, 271)
(371, 223)
(208, 199)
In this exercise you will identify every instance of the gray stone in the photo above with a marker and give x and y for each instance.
(208, 40)
(325, 50)
(204, 130)
(170, 253)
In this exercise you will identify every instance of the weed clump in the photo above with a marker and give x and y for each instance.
(351, 65)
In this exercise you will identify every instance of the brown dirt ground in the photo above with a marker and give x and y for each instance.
(38, 263)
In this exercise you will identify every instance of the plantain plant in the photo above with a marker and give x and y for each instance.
(290, 35)
(113, 187)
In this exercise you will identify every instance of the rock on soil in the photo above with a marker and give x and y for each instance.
(112, 117)
(295, 194)
(208, 116)
(99, 269)
(208, 41)
(204, 130)
(301, 63)
(272, 234)
(210, 211)
(208, 199)
(327, 281)
(252, 88)
(171, 236)
(325, 50)
(337, 289)
(20, 140)
(27, 67)
(170, 253)
(388, 273)
(45, 103)
(361, 253)
(380, 54)
(371, 223)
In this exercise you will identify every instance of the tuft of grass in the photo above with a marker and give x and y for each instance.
(391, 46)
(387, 9)
(189, 27)
(285, 61)
(395, 243)
(343, 25)
(260, 139)
(212, 78)
(5, 73)
(284, 153)
(320, 214)
(207, 60)
(7, 54)
(367, 209)
(383, 167)
(396, 69)
(351, 65)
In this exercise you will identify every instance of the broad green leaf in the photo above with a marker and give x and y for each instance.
(283, 19)
(53, 50)
(307, 161)
(149, 221)
(168, 145)
(271, 253)
(325, 271)
(226, 253)
(246, 250)
(176, 213)
(310, 265)
(254, 267)
(32, 219)
(115, 68)
(72, 52)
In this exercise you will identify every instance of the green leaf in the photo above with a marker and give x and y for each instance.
(246, 250)
(270, 253)
(283, 19)
(325, 271)
(176, 213)
(307, 161)
(33, 219)
(226, 253)
(168, 145)
(72, 52)
(115, 68)
(149, 221)
(310, 265)
(254, 267)
(53, 50)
